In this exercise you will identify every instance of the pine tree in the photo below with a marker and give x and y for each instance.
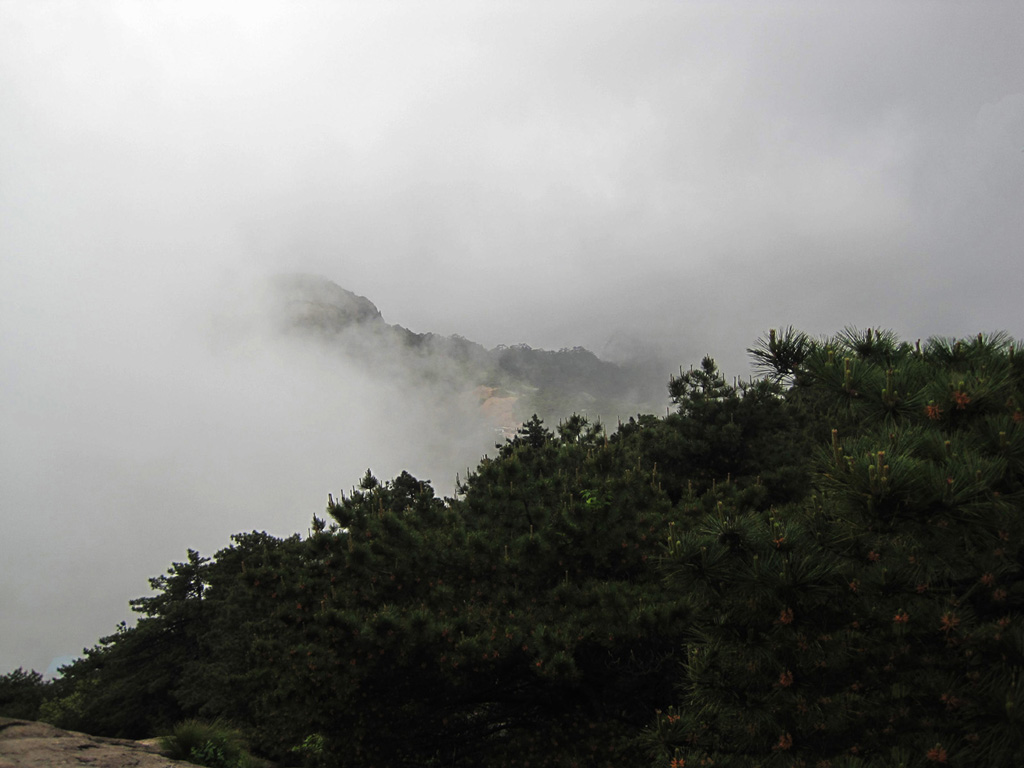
(880, 622)
(22, 693)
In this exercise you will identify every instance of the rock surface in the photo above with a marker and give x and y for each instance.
(26, 744)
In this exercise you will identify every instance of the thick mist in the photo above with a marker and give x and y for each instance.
(129, 440)
(647, 179)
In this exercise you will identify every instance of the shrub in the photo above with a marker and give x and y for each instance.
(312, 751)
(21, 694)
(213, 744)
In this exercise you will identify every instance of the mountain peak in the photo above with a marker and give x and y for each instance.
(311, 301)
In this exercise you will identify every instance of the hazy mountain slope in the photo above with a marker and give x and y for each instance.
(511, 382)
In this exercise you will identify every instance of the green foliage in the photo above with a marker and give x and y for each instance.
(21, 694)
(821, 566)
(128, 685)
(67, 704)
(782, 355)
(747, 441)
(879, 620)
(213, 744)
(312, 750)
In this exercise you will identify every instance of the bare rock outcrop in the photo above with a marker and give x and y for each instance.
(27, 744)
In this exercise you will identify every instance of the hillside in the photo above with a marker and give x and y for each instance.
(512, 381)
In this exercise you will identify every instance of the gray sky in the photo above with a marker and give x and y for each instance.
(678, 175)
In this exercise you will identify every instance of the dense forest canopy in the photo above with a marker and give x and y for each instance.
(819, 567)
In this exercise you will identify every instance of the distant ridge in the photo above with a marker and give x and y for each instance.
(553, 384)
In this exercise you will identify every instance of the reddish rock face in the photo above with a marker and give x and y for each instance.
(25, 744)
(499, 410)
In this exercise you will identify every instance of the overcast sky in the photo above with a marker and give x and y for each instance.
(678, 175)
